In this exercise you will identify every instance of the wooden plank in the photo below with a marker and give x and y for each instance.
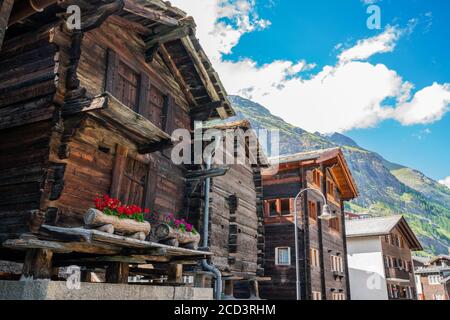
(5, 12)
(97, 237)
(74, 107)
(149, 13)
(131, 124)
(177, 75)
(59, 247)
(201, 70)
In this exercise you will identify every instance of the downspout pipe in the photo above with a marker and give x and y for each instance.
(205, 265)
(24, 8)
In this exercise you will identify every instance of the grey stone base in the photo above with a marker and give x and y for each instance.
(58, 290)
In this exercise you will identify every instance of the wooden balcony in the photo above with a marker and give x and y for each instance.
(111, 112)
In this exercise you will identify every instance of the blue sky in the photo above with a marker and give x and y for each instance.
(387, 89)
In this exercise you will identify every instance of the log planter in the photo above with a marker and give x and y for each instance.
(96, 219)
(167, 234)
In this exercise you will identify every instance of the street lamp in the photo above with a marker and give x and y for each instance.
(326, 215)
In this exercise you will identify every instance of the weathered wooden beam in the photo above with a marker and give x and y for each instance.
(131, 124)
(153, 147)
(5, 12)
(97, 237)
(165, 34)
(207, 108)
(177, 74)
(59, 247)
(149, 13)
(201, 70)
(78, 106)
(37, 264)
(99, 15)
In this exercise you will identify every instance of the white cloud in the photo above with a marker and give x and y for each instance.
(445, 182)
(351, 94)
(364, 49)
(428, 105)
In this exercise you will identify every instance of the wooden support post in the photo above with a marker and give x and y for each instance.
(119, 168)
(5, 12)
(117, 272)
(254, 288)
(175, 273)
(229, 288)
(37, 264)
(200, 280)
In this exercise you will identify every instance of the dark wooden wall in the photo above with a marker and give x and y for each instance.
(54, 166)
(286, 184)
(234, 236)
(283, 284)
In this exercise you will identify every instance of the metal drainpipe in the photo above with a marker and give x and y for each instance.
(24, 8)
(205, 265)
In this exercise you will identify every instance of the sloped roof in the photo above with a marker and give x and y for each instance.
(423, 260)
(245, 124)
(302, 156)
(382, 226)
(371, 226)
(337, 166)
(440, 257)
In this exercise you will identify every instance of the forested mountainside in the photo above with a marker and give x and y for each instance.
(385, 188)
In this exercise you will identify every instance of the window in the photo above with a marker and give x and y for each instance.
(395, 291)
(434, 279)
(271, 206)
(312, 210)
(314, 258)
(334, 224)
(387, 238)
(316, 295)
(316, 177)
(285, 206)
(127, 86)
(337, 264)
(394, 263)
(386, 261)
(338, 296)
(283, 256)
(158, 106)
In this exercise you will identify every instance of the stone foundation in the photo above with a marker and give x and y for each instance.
(58, 290)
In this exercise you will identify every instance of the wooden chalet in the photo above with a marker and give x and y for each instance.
(236, 212)
(91, 111)
(322, 244)
(380, 248)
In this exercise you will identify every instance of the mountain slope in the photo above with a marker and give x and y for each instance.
(385, 188)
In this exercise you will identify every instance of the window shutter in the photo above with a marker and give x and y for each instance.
(168, 119)
(168, 114)
(111, 71)
(144, 88)
(150, 188)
